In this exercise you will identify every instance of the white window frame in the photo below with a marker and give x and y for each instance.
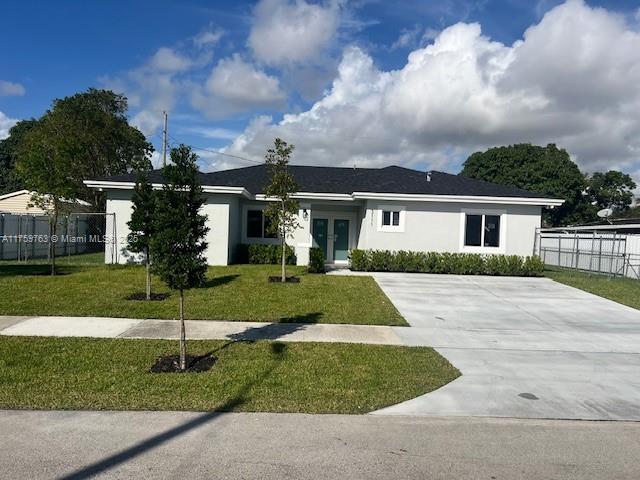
(482, 249)
(391, 208)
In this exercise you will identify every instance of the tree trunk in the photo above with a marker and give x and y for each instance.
(183, 336)
(283, 239)
(148, 265)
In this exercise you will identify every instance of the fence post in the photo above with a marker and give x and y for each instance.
(577, 251)
(1, 236)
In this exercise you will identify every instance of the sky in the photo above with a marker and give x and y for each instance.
(368, 83)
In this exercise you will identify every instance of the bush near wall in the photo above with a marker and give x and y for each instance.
(264, 254)
(453, 263)
(316, 260)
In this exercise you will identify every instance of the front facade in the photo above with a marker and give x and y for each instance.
(341, 209)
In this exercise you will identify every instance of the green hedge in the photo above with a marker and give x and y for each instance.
(264, 254)
(455, 263)
(316, 260)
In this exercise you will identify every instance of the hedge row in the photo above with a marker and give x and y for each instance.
(454, 263)
(264, 254)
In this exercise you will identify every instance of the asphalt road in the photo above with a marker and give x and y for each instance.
(141, 445)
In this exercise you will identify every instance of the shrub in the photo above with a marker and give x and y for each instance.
(316, 260)
(451, 263)
(264, 254)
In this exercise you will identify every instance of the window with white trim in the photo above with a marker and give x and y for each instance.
(258, 225)
(391, 218)
(482, 230)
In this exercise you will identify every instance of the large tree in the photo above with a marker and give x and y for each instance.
(9, 179)
(545, 170)
(90, 130)
(177, 247)
(612, 189)
(283, 210)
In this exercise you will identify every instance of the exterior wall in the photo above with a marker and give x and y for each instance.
(439, 227)
(218, 208)
(19, 204)
(119, 203)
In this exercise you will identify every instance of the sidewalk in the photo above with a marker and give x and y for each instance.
(102, 327)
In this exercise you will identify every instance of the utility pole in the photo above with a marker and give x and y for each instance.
(164, 141)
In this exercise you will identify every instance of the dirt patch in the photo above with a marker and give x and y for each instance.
(195, 364)
(138, 296)
(278, 279)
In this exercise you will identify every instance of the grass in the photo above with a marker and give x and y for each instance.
(621, 290)
(79, 373)
(237, 292)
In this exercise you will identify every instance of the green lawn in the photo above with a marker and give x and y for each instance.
(621, 290)
(78, 373)
(237, 292)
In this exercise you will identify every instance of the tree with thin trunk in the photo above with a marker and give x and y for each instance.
(177, 246)
(141, 224)
(283, 210)
(45, 165)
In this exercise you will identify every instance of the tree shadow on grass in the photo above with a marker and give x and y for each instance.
(15, 270)
(218, 281)
(277, 350)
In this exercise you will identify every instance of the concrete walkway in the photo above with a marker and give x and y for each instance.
(101, 327)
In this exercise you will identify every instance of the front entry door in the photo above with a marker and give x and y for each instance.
(320, 233)
(340, 240)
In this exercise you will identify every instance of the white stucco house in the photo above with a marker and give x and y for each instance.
(341, 209)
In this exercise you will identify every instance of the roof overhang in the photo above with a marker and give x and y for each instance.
(106, 185)
(319, 196)
(544, 202)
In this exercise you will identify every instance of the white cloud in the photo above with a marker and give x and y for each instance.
(208, 38)
(286, 32)
(235, 85)
(10, 89)
(168, 60)
(573, 80)
(5, 124)
(215, 133)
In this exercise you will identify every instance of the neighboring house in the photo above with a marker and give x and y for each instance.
(20, 202)
(341, 209)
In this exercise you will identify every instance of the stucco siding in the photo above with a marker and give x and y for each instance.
(119, 204)
(438, 227)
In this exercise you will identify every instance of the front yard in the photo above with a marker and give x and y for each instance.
(77, 373)
(621, 290)
(237, 292)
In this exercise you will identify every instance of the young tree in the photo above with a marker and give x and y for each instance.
(142, 222)
(45, 165)
(177, 246)
(283, 211)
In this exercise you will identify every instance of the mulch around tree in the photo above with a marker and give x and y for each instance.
(195, 364)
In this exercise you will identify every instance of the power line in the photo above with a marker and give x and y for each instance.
(218, 152)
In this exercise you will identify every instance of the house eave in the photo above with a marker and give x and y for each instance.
(106, 185)
(545, 202)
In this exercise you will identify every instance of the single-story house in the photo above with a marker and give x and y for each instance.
(19, 202)
(342, 209)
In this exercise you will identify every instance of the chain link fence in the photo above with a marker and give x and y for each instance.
(606, 253)
(78, 238)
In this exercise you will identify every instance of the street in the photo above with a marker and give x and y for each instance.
(78, 445)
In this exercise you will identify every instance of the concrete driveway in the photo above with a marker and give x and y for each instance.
(529, 348)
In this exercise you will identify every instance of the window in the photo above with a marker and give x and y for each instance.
(482, 231)
(390, 218)
(258, 225)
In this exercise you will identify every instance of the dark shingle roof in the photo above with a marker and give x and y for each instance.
(391, 179)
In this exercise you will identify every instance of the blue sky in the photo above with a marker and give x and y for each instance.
(228, 74)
